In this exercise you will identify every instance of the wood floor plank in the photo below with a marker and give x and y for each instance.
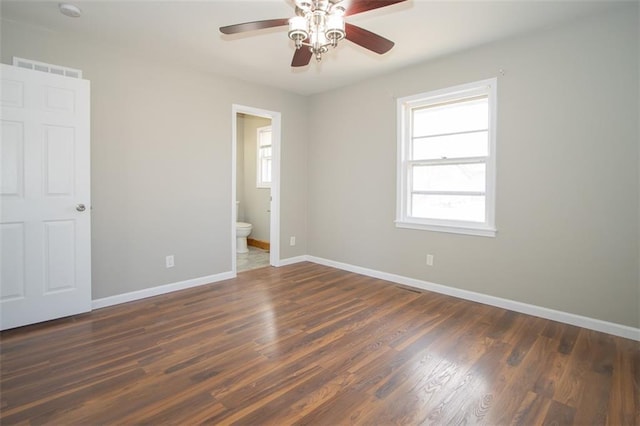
(533, 410)
(560, 414)
(310, 344)
(568, 339)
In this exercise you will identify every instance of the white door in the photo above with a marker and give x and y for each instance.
(45, 221)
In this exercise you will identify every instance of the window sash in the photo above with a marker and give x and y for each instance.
(411, 192)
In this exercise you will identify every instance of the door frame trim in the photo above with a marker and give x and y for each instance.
(274, 222)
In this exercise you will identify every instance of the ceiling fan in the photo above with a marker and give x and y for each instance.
(319, 24)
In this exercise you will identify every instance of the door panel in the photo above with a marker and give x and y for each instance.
(59, 262)
(58, 99)
(13, 262)
(12, 93)
(46, 252)
(59, 149)
(12, 163)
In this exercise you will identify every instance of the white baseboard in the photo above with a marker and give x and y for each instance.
(525, 308)
(162, 289)
(292, 260)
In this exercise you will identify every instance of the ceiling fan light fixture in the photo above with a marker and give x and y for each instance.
(298, 30)
(334, 29)
(318, 25)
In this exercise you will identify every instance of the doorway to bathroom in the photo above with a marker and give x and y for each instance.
(255, 188)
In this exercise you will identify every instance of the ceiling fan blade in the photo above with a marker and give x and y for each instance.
(358, 6)
(367, 39)
(256, 25)
(301, 57)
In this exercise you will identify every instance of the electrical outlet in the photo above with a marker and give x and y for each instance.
(429, 260)
(169, 261)
(292, 241)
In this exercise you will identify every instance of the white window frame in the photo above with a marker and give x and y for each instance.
(259, 182)
(404, 107)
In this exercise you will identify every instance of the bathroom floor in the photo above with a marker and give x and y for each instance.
(256, 258)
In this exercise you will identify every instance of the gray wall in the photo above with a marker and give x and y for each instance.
(255, 202)
(161, 160)
(567, 177)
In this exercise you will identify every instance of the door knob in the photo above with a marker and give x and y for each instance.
(80, 207)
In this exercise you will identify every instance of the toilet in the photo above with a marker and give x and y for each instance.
(243, 229)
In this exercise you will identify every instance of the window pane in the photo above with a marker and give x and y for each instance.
(265, 170)
(451, 118)
(452, 146)
(265, 152)
(469, 208)
(265, 137)
(450, 177)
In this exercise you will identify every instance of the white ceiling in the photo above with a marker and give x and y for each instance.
(187, 32)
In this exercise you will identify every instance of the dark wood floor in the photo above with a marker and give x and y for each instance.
(308, 344)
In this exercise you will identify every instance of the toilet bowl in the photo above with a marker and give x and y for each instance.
(243, 230)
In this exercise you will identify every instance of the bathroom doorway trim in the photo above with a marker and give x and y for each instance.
(274, 221)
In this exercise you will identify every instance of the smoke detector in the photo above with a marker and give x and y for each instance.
(70, 10)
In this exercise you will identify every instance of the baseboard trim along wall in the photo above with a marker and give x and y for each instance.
(292, 260)
(264, 245)
(162, 289)
(525, 308)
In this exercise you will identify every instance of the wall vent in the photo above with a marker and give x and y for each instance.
(41, 66)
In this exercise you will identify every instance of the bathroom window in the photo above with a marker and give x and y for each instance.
(446, 160)
(264, 150)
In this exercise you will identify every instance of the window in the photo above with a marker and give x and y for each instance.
(446, 160)
(263, 170)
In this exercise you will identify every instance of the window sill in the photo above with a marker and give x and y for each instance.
(475, 231)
